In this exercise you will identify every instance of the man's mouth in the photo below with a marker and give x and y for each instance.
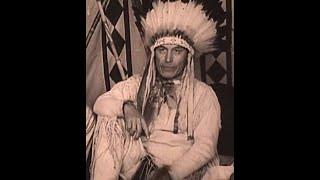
(168, 67)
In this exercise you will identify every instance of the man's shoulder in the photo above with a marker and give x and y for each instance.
(135, 76)
(204, 92)
(134, 79)
(202, 87)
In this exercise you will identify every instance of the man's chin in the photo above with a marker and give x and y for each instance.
(170, 76)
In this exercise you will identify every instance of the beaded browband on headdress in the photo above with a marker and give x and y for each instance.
(183, 24)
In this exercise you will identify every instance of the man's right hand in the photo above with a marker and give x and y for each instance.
(134, 121)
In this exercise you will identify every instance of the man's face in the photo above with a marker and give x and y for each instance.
(170, 60)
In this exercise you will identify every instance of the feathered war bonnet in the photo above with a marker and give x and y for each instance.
(183, 24)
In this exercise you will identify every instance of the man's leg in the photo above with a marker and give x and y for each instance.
(115, 152)
(133, 156)
(107, 149)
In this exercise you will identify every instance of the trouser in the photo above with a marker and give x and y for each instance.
(116, 154)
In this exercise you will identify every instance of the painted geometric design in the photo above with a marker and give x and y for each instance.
(115, 15)
(111, 60)
(121, 2)
(120, 26)
(113, 68)
(222, 60)
(114, 11)
(216, 67)
(110, 26)
(209, 60)
(224, 80)
(215, 64)
(115, 73)
(122, 57)
(216, 71)
(118, 41)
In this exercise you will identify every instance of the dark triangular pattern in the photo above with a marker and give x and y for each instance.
(113, 11)
(216, 72)
(115, 73)
(118, 41)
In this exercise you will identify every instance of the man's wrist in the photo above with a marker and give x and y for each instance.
(125, 103)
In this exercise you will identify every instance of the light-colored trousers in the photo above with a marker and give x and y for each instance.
(116, 154)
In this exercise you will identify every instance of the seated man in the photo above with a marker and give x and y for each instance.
(164, 124)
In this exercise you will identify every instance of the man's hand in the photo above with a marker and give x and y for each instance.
(134, 121)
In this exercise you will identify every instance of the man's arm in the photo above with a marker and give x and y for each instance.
(114, 103)
(110, 103)
(206, 134)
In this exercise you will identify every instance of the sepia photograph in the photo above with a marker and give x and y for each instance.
(160, 89)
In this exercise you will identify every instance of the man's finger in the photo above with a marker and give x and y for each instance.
(145, 127)
(133, 127)
(128, 123)
(138, 132)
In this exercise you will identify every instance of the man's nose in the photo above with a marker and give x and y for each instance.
(169, 57)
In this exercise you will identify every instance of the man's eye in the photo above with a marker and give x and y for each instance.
(161, 50)
(178, 50)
